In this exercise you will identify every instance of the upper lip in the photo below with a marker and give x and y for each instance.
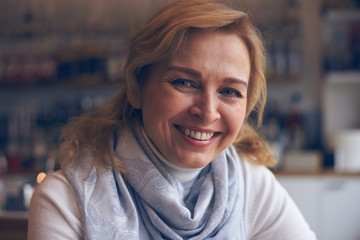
(196, 129)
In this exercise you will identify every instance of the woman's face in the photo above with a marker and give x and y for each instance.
(193, 105)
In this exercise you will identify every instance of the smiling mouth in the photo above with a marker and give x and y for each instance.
(197, 135)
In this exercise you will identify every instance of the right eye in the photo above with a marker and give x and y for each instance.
(183, 83)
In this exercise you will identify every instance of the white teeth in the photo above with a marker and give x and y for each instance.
(203, 136)
(196, 135)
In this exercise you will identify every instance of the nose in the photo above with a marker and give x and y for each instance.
(206, 107)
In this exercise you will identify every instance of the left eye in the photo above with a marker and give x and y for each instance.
(230, 92)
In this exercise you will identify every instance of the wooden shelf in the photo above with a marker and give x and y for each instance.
(320, 173)
(13, 225)
(346, 77)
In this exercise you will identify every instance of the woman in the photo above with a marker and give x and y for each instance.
(173, 155)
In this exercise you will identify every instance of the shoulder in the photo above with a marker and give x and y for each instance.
(270, 213)
(252, 171)
(54, 187)
(53, 210)
(54, 179)
(259, 180)
(261, 188)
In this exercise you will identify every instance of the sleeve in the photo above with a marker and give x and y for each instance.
(269, 211)
(53, 211)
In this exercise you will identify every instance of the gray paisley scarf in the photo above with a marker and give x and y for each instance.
(149, 203)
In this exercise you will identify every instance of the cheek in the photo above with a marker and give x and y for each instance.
(235, 118)
(158, 105)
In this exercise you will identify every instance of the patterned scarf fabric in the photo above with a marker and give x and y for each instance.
(150, 203)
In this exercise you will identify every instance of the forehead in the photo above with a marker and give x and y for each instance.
(202, 36)
(213, 49)
(210, 52)
(219, 44)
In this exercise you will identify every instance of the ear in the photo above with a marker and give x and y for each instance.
(134, 98)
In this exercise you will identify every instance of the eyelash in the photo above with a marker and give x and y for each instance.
(234, 93)
(181, 83)
(186, 83)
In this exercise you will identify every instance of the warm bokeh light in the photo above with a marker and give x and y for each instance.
(40, 177)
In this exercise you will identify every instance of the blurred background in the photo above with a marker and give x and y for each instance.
(60, 58)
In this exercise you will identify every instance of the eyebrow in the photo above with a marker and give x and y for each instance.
(185, 70)
(197, 74)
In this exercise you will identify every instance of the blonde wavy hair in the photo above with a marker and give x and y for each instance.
(157, 41)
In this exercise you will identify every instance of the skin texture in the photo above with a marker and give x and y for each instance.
(202, 89)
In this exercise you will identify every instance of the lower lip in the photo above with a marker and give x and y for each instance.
(197, 143)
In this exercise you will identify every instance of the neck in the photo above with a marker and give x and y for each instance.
(184, 175)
